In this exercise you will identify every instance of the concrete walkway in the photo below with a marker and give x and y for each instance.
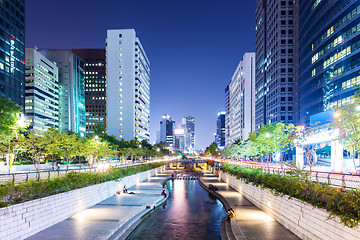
(111, 218)
(249, 222)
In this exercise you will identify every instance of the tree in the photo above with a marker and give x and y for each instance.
(9, 114)
(34, 144)
(212, 149)
(347, 121)
(70, 145)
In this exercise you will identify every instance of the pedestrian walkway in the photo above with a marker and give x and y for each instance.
(249, 221)
(111, 217)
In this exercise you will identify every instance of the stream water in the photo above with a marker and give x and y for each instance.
(190, 213)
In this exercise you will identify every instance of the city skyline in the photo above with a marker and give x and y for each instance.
(199, 66)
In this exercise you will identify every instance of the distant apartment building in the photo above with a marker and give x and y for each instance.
(41, 91)
(329, 55)
(95, 87)
(128, 86)
(12, 50)
(277, 62)
(220, 129)
(167, 126)
(188, 123)
(241, 110)
(71, 89)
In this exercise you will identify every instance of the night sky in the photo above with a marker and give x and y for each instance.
(194, 46)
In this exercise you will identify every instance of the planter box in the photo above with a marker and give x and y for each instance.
(25, 219)
(304, 220)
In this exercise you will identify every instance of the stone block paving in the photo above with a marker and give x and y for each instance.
(249, 222)
(103, 219)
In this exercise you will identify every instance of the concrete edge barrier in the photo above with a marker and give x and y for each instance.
(133, 222)
(23, 220)
(228, 230)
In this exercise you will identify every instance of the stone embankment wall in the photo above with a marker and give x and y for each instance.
(25, 219)
(301, 218)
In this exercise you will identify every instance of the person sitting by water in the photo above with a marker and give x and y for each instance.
(125, 189)
(163, 193)
(211, 187)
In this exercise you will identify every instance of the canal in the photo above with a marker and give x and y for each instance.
(190, 213)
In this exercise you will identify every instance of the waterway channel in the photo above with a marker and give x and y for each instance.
(190, 213)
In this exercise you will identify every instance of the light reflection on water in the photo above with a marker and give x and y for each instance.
(190, 213)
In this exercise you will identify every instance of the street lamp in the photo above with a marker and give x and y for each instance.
(19, 125)
(267, 135)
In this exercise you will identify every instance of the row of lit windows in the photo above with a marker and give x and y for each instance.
(337, 25)
(339, 103)
(351, 82)
(337, 56)
(94, 64)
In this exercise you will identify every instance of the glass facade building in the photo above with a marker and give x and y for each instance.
(71, 89)
(95, 87)
(12, 50)
(329, 55)
(277, 62)
(41, 91)
(220, 129)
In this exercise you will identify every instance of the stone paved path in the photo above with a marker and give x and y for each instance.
(103, 219)
(249, 222)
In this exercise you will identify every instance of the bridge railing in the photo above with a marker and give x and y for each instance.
(341, 180)
(19, 177)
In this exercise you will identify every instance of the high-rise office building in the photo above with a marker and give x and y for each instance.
(241, 94)
(227, 110)
(277, 62)
(41, 91)
(71, 89)
(220, 129)
(95, 87)
(167, 126)
(12, 50)
(329, 55)
(179, 135)
(128, 86)
(188, 123)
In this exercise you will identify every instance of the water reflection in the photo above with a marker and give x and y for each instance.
(190, 213)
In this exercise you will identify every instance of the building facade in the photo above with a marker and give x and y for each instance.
(220, 129)
(329, 56)
(128, 86)
(241, 110)
(95, 88)
(227, 110)
(41, 91)
(71, 89)
(277, 62)
(12, 50)
(167, 126)
(188, 124)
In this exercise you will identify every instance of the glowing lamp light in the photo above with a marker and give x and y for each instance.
(337, 114)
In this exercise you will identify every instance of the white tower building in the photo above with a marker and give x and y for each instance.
(128, 86)
(241, 113)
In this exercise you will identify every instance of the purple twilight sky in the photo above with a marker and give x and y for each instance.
(194, 46)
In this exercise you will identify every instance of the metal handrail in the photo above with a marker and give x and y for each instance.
(47, 174)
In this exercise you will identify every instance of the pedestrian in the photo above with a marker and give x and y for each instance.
(163, 193)
(125, 189)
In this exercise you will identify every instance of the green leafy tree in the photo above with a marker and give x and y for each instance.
(212, 149)
(70, 145)
(347, 122)
(34, 145)
(9, 115)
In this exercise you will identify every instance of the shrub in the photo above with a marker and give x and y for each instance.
(12, 194)
(344, 204)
